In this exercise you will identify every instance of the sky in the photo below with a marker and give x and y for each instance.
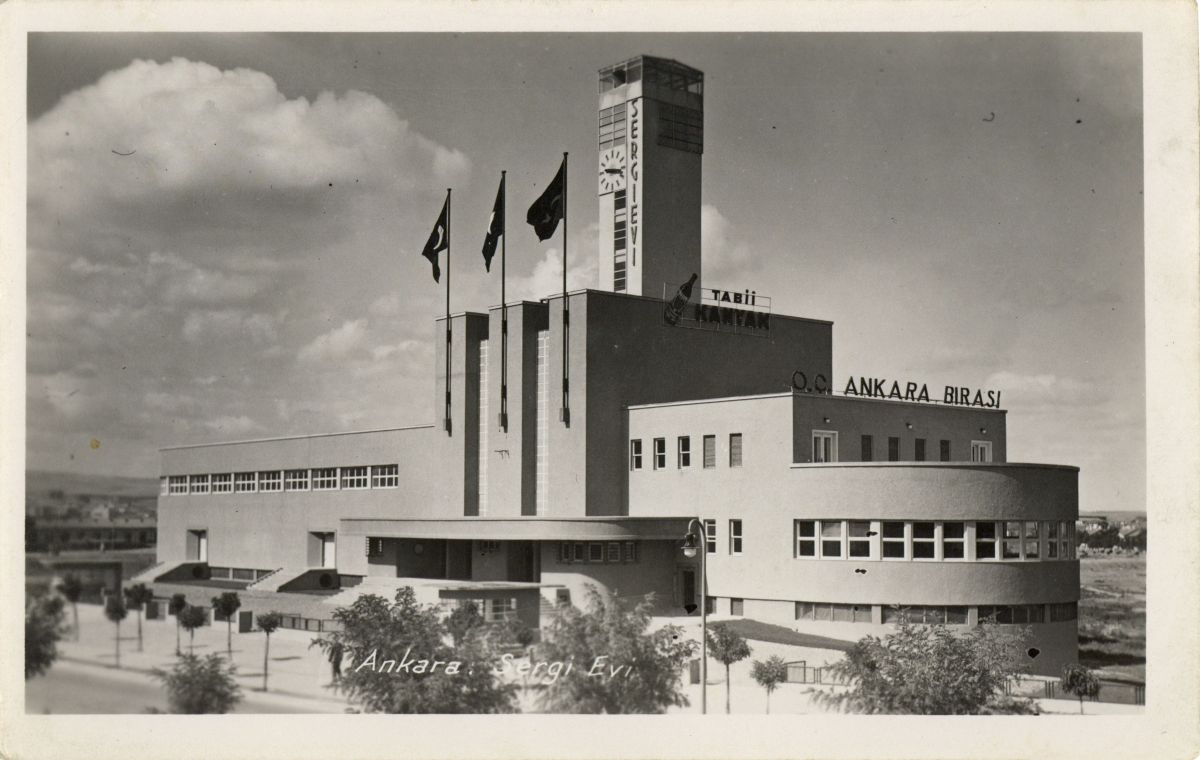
(224, 229)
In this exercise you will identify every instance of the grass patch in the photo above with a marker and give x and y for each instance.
(1112, 615)
(777, 634)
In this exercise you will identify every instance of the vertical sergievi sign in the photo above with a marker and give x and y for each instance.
(635, 177)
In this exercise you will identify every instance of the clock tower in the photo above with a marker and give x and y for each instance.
(651, 140)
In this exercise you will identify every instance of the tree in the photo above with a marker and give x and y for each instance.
(114, 610)
(200, 685)
(726, 646)
(175, 606)
(617, 666)
(191, 617)
(1080, 681)
(769, 674)
(401, 662)
(43, 629)
(928, 670)
(72, 588)
(226, 605)
(267, 623)
(138, 596)
(463, 620)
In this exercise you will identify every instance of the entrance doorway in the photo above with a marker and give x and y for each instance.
(197, 545)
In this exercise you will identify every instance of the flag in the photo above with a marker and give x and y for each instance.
(495, 228)
(439, 240)
(547, 211)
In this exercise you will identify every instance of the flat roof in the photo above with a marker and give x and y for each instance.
(292, 437)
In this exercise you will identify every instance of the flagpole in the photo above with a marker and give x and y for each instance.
(446, 417)
(503, 305)
(565, 414)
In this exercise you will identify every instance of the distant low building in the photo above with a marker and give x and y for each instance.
(75, 534)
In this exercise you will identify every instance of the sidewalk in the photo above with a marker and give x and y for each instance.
(296, 672)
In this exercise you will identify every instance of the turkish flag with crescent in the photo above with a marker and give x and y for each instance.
(547, 211)
(439, 240)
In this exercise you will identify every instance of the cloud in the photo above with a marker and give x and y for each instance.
(1031, 393)
(230, 425)
(215, 325)
(183, 125)
(335, 344)
(721, 254)
(546, 278)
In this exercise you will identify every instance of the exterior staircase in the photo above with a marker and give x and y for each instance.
(276, 578)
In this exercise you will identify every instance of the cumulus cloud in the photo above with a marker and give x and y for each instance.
(721, 253)
(155, 127)
(337, 343)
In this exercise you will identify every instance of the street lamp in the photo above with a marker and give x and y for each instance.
(695, 543)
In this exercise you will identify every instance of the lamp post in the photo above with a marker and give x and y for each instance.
(696, 541)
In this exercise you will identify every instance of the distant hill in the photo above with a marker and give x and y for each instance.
(41, 482)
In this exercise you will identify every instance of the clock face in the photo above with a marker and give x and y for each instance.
(612, 170)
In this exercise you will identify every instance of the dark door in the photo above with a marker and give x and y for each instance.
(521, 561)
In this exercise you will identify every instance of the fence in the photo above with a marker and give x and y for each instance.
(1118, 692)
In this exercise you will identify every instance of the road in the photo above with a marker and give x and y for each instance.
(73, 688)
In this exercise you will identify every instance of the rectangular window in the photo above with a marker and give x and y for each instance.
(270, 481)
(893, 540)
(981, 451)
(985, 540)
(325, 479)
(919, 450)
(710, 451)
(737, 606)
(956, 615)
(1032, 541)
(595, 552)
(859, 538)
(735, 449)
(831, 538)
(178, 484)
(710, 536)
(635, 454)
(245, 482)
(824, 446)
(953, 540)
(222, 482)
(945, 450)
(295, 480)
(923, 537)
(804, 610)
(580, 553)
(806, 538)
(564, 553)
(735, 536)
(893, 449)
(660, 453)
(868, 448)
(198, 484)
(1066, 543)
(1052, 540)
(385, 476)
(630, 551)
(683, 451)
(614, 552)
(163, 487)
(1012, 540)
(354, 478)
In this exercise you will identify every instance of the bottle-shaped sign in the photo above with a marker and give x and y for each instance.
(674, 310)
